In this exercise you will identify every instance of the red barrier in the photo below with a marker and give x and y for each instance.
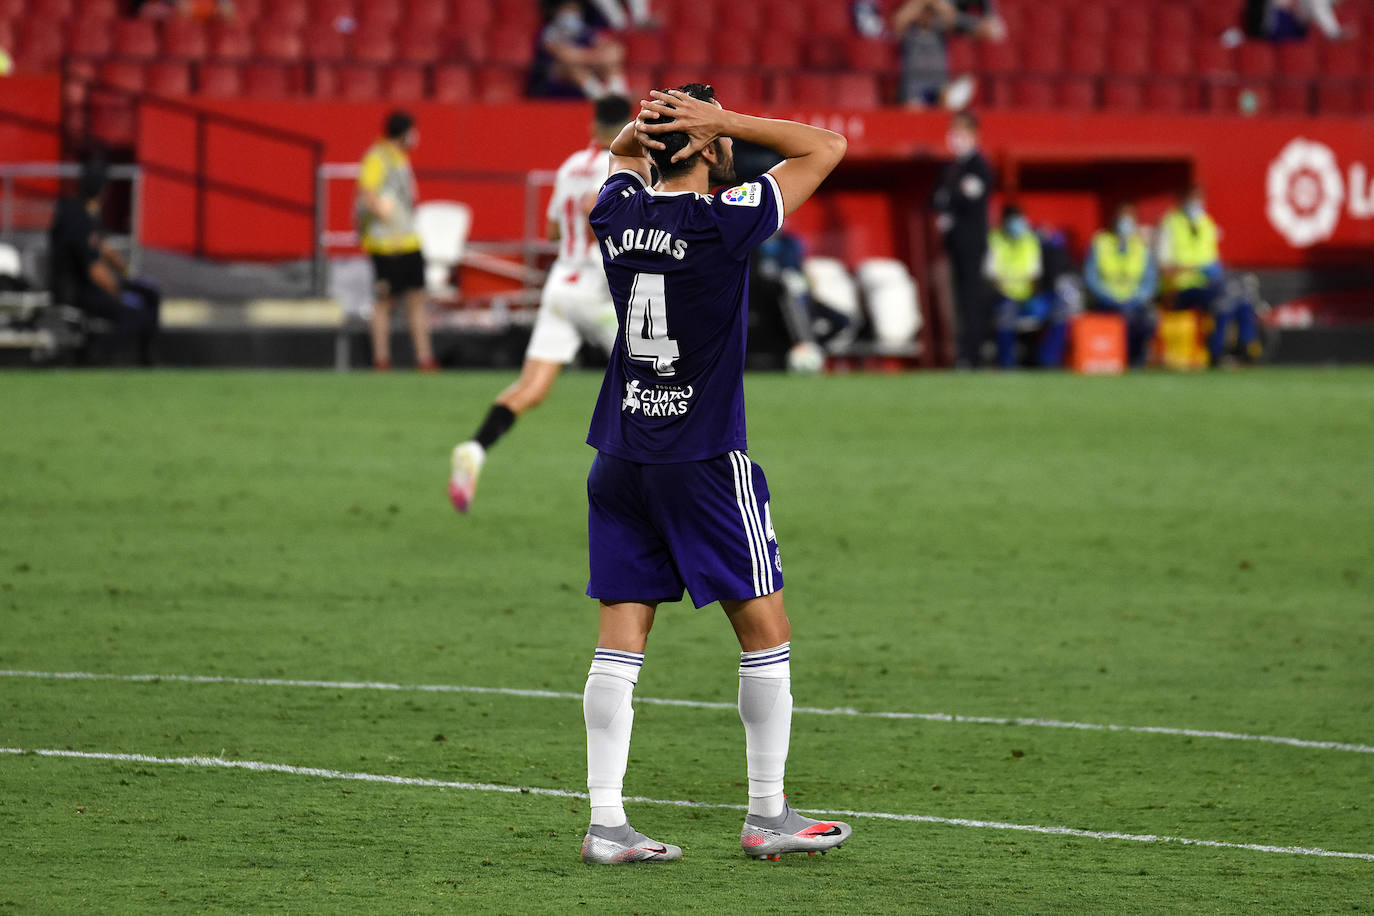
(1288, 192)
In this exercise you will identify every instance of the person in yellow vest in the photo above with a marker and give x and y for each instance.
(1014, 265)
(385, 213)
(1189, 256)
(1121, 277)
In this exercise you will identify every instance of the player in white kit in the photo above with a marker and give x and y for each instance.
(575, 305)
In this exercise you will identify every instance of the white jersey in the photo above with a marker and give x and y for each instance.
(579, 178)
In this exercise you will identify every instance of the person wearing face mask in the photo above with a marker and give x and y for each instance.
(1015, 263)
(1189, 258)
(1121, 277)
(961, 206)
(575, 58)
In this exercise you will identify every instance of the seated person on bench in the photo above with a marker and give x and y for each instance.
(87, 274)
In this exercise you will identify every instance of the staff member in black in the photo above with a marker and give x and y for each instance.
(90, 275)
(961, 205)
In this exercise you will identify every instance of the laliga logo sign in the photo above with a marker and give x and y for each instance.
(1306, 191)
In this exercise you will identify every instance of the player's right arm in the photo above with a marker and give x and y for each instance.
(809, 153)
(628, 152)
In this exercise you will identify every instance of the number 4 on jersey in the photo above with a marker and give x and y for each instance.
(646, 325)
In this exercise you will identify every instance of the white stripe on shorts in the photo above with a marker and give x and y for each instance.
(753, 500)
(753, 527)
(744, 518)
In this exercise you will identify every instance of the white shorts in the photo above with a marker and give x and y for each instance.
(575, 306)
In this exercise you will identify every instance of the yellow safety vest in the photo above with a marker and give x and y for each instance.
(386, 171)
(1121, 271)
(1193, 245)
(1013, 263)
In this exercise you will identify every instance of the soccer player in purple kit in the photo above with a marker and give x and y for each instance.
(674, 501)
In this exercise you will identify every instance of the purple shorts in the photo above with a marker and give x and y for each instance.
(655, 529)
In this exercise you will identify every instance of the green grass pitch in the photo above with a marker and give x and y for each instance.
(1188, 552)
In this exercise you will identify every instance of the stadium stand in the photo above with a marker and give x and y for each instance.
(1113, 55)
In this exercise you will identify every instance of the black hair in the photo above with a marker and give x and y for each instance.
(612, 111)
(1011, 210)
(91, 184)
(675, 141)
(398, 124)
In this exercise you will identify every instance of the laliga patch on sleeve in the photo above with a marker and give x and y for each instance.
(749, 194)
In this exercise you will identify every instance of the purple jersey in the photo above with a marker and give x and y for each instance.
(678, 267)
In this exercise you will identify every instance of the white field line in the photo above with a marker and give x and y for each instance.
(261, 767)
(695, 704)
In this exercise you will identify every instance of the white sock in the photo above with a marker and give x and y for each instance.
(592, 87)
(639, 11)
(607, 711)
(613, 13)
(765, 708)
(616, 85)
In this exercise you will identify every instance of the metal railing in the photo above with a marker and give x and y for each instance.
(12, 174)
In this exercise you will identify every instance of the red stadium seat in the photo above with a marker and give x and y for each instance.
(230, 41)
(373, 46)
(1131, 22)
(1298, 58)
(1172, 57)
(357, 83)
(404, 82)
(1001, 57)
(122, 74)
(325, 43)
(641, 79)
(453, 84)
(1085, 57)
(499, 85)
(688, 49)
(1294, 96)
(1167, 94)
(1215, 18)
(1076, 94)
(1042, 57)
(1122, 94)
(783, 20)
(1089, 22)
(100, 10)
(275, 42)
(879, 56)
(11, 10)
(136, 38)
(419, 44)
(1256, 59)
(1213, 59)
(378, 14)
(289, 13)
(1033, 93)
(1336, 99)
(510, 45)
(426, 14)
(1342, 58)
(1173, 20)
(168, 78)
(184, 38)
(270, 81)
(692, 15)
(857, 90)
(959, 52)
(219, 81)
(89, 38)
(733, 49)
(471, 17)
(741, 18)
(737, 88)
(37, 47)
(826, 18)
(824, 52)
(1128, 56)
(1364, 100)
(249, 10)
(51, 12)
(779, 55)
(327, 12)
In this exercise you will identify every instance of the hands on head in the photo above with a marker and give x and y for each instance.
(702, 122)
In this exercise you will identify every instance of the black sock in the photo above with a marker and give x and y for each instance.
(498, 422)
